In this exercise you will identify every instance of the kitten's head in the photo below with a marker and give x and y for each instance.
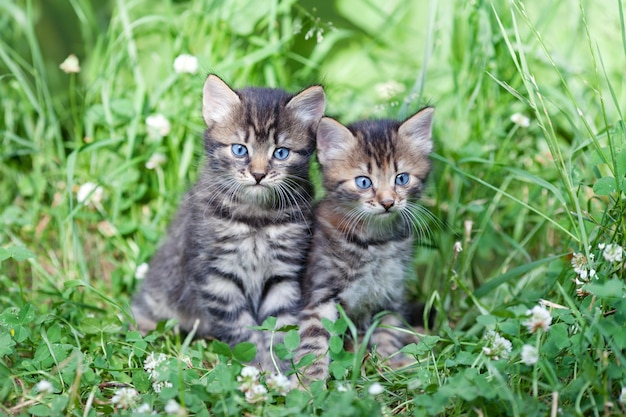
(259, 140)
(374, 171)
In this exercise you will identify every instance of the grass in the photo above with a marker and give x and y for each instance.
(524, 201)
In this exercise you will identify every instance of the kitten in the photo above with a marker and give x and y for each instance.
(236, 251)
(373, 173)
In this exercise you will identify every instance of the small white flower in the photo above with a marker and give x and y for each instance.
(70, 65)
(158, 125)
(583, 265)
(458, 248)
(144, 408)
(248, 379)
(152, 362)
(44, 387)
(186, 360)
(540, 318)
(186, 64)
(279, 383)
(388, 90)
(256, 393)
(89, 194)
(140, 273)
(497, 346)
(172, 407)
(249, 372)
(124, 397)
(375, 389)
(520, 120)
(342, 387)
(529, 354)
(612, 252)
(156, 160)
(320, 35)
(157, 386)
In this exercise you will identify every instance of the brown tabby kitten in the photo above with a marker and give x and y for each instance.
(236, 251)
(373, 172)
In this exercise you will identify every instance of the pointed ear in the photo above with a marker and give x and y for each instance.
(418, 129)
(334, 141)
(218, 100)
(309, 104)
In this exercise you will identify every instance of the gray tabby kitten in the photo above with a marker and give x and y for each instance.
(373, 173)
(236, 251)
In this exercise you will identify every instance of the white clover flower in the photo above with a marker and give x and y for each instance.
(186, 360)
(520, 120)
(172, 407)
(251, 372)
(248, 378)
(583, 266)
(540, 318)
(157, 386)
(144, 408)
(375, 389)
(279, 383)
(388, 90)
(612, 252)
(124, 398)
(89, 194)
(186, 64)
(497, 346)
(156, 160)
(529, 354)
(70, 65)
(140, 273)
(44, 387)
(256, 393)
(158, 125)
(152, 362)
(342, 387)
(458, 248)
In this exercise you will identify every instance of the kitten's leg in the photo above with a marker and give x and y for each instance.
(314, 339)
(148, 310)
(388, 341)
(281, 299)
(226, 314)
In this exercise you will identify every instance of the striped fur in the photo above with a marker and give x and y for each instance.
(235, 253)
(363, 237)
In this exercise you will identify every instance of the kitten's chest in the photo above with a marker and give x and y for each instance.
(256, 254)
(379, 282)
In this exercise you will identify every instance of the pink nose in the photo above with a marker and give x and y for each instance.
(387, 204)
(258, 176)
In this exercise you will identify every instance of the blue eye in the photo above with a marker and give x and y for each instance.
(239, 150)
(402, 179)
(281, 153)
(363, 182)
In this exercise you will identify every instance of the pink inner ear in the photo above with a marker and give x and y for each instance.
(334, 140)
(309, 104)
(218, 100)
(418, 128)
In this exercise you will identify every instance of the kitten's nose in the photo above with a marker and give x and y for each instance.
(258, 176)
(387, 203)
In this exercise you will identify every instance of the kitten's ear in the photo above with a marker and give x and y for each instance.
(218, 100)
(334, 141)
(309, 104)
(418, 129)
